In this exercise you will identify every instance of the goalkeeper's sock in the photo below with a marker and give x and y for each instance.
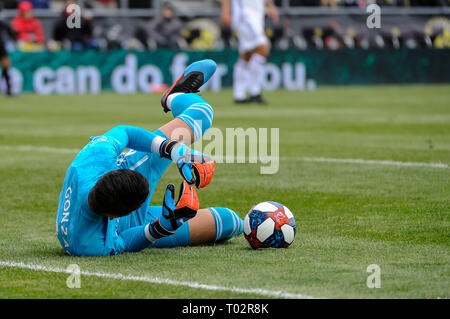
(158, 229)
(228, 223)
(181, 238)
(153, 235)
(136, 238)
(256, 69)
(240, 79)
(192, 109)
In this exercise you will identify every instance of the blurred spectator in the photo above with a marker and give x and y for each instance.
(352, 3)
(40, 4)
(426, 3)
(30, 36)
(330, 3)
(165, 28)
(140, 4)
(305, 3)
(75, 39)
(8, 4)
(333, 36)
(143, 42)
(288, 37)
(12, 4)
(364, 3)
(105, 4)
(313, 36)
(349, 38)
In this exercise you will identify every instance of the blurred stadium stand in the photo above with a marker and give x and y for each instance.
(305, 24)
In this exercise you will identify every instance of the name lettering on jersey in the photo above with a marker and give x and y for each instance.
(66, 213)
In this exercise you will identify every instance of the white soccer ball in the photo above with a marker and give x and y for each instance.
(269, 225)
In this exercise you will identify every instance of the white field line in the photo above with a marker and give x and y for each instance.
(237, 159)
(45, 149)
(156, 280)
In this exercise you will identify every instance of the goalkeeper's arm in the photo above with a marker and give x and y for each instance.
(187, 159)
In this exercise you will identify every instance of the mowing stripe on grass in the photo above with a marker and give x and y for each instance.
(372, 162)
(46, 149)
(155, 280)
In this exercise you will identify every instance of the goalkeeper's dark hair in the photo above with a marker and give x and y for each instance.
(118, 193)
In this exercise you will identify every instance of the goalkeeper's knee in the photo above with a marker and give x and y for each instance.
(228, 223)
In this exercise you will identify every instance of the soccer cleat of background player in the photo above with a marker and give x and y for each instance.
(247, 19)
(105, 205)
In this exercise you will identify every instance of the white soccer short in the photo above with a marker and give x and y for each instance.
(250, 36)
(248, 22)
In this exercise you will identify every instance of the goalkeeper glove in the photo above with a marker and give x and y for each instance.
(195, 167)
(175, 214)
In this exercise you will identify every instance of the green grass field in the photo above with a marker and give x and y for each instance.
(349, 215)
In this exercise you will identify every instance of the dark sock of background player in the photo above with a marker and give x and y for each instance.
(4, 58)
(7, 78)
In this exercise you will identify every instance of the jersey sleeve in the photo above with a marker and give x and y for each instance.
(133, 137)
(107, 147)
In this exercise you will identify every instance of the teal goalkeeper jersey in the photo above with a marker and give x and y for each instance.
(79, 230)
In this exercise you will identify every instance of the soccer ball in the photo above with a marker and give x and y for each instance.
(269, 225)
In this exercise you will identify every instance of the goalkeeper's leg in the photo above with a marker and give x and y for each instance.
(193, 116)
(210, 225)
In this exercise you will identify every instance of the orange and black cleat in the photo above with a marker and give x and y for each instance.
(195, 75)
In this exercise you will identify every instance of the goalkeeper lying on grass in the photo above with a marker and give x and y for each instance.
(104, 206)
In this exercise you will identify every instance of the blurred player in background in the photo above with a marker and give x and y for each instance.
(4, 58)
(246, 17)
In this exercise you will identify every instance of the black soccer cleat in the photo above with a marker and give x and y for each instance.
(258, 99)
(195, 75)
(243, 101)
